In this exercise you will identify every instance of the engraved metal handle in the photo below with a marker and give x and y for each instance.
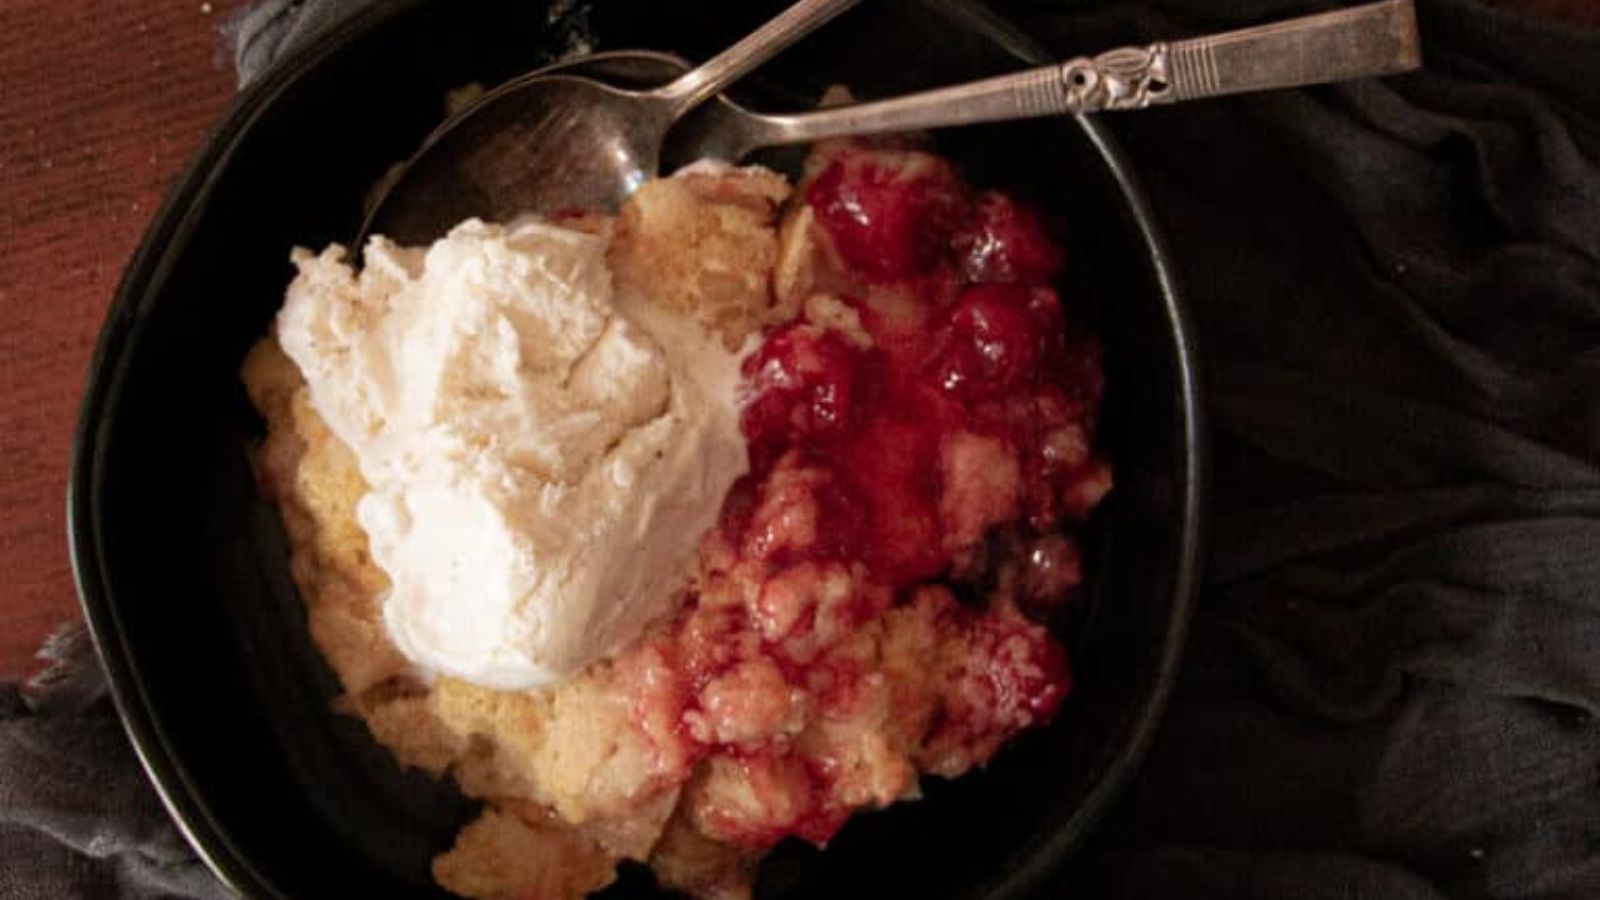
(1363, 41)
(754, 49)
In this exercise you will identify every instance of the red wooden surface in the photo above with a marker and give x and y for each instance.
(101, 103)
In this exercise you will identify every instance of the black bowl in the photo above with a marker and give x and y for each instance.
(182, 567)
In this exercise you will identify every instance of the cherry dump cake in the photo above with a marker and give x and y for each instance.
(869, 600)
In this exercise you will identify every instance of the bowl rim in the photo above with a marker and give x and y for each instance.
(177, 218)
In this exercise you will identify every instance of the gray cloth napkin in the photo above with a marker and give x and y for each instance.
(265, 31)
(77, 817)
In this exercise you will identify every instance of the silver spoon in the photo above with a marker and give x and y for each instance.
(553, 140)
(1358, 42)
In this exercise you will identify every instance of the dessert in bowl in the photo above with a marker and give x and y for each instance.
(651, 532)
(219, 677)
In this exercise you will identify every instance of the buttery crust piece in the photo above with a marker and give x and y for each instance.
(523, 853)
(704, 244)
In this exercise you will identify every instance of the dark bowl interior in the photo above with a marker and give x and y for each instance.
(182, 567)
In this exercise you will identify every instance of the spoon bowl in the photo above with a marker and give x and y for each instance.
(549, 142)
(554, 141)
(569, 136)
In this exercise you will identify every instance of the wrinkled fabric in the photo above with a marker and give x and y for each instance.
(77, 818)
(268, 29)
(1392, 682)
(1393, 678)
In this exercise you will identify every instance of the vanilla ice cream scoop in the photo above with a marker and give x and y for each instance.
(542, 456)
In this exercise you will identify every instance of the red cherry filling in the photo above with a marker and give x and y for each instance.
(890, 213)
(804, 512)
(995, 340)
(1005, 675)
(893, 462)
(960, 429)
(969, 338)
(1006, 241)
(802, 382)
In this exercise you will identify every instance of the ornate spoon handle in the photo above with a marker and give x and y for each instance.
(1374, 39)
